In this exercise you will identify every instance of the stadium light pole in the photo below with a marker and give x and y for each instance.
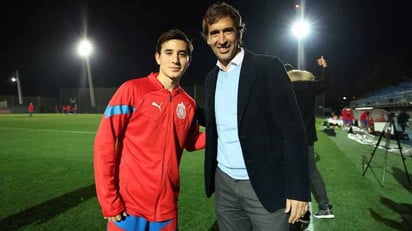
(16, 79)
(85, 49)
(300, 29)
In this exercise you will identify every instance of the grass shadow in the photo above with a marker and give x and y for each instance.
(47, 210)
(403, 209)
(403, 177)
(214, 227)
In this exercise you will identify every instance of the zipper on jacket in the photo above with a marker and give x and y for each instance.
(163, 172)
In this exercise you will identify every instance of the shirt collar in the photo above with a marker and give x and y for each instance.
(237, 60)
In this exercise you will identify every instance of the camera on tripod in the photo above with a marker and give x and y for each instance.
(387, 130)
(390, 115)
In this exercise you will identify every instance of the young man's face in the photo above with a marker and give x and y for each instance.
(173, 59)
(223, 39)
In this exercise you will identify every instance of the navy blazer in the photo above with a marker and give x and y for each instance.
(270, 129)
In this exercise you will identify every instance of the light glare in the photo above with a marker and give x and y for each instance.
(85, 48)
(300, 29)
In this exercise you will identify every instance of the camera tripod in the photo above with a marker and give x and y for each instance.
(386, 131)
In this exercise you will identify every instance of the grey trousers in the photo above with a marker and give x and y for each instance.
(319, 189)
(237, 207)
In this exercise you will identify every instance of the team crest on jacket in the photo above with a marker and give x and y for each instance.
(181, 110)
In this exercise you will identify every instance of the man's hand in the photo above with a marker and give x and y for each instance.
(118, 217)
(297, 209)
(322, 62)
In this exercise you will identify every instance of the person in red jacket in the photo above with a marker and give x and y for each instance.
(347, 117)
(364, 119)
(30, 109)
(147, 124)
(75, 108)
(68, 109)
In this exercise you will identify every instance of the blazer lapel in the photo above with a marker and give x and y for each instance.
(246, 79)
(212, 79)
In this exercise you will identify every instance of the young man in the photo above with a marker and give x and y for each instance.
(307, 88)
(256, 157)
(138, 146)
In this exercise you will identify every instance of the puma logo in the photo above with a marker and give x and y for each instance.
(157, 105)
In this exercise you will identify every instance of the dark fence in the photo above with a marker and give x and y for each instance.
(76, 96)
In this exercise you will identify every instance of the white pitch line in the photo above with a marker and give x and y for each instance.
(48, 130)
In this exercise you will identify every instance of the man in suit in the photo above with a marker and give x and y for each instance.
(256, 148)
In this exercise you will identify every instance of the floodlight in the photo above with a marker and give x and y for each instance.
(85, 48)
(300, 29)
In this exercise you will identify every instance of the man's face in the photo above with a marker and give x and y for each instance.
(223, 39)
(173, 59)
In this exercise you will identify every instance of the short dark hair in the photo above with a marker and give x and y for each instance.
(174, 34)
(220, 10)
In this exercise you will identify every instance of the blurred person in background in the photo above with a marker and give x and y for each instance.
(403, 119)
(364, 120)
(30, 109)
(307, 88)
(347, 117)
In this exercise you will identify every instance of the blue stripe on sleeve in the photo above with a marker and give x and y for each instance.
(118, 109)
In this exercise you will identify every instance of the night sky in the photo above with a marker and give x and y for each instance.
(367, 43)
